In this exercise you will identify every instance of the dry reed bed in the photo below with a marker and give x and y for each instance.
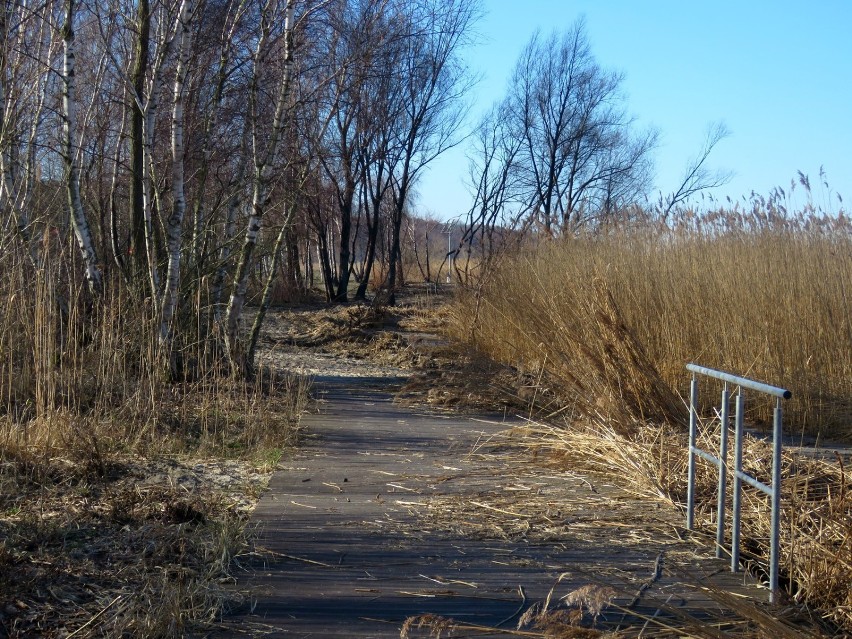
(816, 531)
(773, 305)
(607, 323)
(95, 540)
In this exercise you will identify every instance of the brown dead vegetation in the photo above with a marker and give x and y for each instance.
(607, 323)
(120, 527)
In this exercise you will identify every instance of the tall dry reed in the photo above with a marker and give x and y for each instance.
(74, 369)
(773, 305)
(87, 411)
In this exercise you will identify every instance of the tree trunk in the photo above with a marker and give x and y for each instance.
(150, 197)
(370, 258)
(79, 221)
(396, 228)
(325, 264)
(234, 204)
(115, 245)
(294, 265)
(267, 293)
(344, 270)
(263, 168)
(174, 224)
(138, 246)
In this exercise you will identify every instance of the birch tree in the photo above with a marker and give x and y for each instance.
(70, 156)
(174, 225)
(264, 152)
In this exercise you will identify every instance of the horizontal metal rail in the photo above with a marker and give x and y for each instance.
(774, 491)
(711, 458)
(751, 481)
(744, 382)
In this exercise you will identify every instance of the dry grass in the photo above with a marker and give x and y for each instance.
(96, 538)
(607, 323)
(119, 554)
(816, 532)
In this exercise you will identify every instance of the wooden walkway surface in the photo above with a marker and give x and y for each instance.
(352, 539)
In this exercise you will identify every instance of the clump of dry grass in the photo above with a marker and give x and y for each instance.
(816, 533)
(120, 554)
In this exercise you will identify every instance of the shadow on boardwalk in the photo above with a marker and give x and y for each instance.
(388, 512)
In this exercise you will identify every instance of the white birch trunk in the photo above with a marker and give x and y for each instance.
(262, 172)
(174, 224)
(148, 180)
(266, 298)
(79, 221)
(234, 203)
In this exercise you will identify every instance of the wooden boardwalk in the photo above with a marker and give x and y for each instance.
(352, 539)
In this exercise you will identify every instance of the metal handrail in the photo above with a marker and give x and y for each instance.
(740, 381)
(773, 490)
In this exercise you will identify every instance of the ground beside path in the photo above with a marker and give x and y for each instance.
(389, 512)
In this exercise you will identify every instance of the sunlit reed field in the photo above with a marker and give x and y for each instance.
(773, 305)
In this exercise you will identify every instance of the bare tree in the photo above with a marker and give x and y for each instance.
(348, 60)
(265, 147)
(253, 137)
(579, 153)
(496, 193)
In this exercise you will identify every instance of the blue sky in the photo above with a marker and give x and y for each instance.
(778, 74)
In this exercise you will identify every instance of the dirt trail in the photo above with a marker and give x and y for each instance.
(388, 513)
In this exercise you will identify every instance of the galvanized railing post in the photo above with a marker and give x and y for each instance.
(693, 428)
(775, 539)
(723, 474)
(738, 482)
